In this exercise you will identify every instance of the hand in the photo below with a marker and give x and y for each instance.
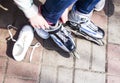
(64, 16)
(38, 21)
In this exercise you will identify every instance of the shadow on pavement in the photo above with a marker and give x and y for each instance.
(109, 8)
(50, 45)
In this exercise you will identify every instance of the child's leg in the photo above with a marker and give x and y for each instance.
(86, 6)
(53, 9)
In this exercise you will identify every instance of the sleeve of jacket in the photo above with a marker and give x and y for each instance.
(28, 7)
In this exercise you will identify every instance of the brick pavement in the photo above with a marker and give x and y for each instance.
(97, 64)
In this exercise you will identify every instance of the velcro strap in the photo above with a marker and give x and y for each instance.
(55, 30)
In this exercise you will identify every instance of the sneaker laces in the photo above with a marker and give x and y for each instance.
(10, 34)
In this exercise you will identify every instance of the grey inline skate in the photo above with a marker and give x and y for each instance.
(82, 26)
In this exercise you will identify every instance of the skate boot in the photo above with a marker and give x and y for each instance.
(62, 37)
(81, 25)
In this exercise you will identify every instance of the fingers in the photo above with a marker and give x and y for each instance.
(39, 22)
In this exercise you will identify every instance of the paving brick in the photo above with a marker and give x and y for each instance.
(99, 52)
(88, 77)
(101, 20)
(3, 48)
(3, 62)
(65, 75)
(4, 34)
(37, 54)
(98, 58)
(1, 77)
(84, 50)
(113, 79)
(48, 74)
(4, 45)
(23, 70)
(113, 59)
(114, 36)
(18, 80)
(52, 58)
(2, 74)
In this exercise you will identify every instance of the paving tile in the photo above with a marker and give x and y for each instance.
(1, 77)
(114, 36)
(3, 62)
(98, 58)
(99, 52)
(100, 19)
(48, 74)
(37, 54)
(3, 48)
(84, 50)
(2, 74)
(18, 80)
(113, 59)
(4, 34)
(4, 44)
(23, 70)
(65, 75)
(52, 58)
(113, 79)
(88, 77)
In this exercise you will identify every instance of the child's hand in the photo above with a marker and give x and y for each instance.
(38, 22)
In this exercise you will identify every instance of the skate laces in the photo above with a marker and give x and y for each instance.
(63, 34)
(91, 25)
(59, 30)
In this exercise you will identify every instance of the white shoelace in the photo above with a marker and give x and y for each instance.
(33, 48)
(4, 8)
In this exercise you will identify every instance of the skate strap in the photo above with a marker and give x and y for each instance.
(54, 29)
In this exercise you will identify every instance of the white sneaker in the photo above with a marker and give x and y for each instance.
(23, 42)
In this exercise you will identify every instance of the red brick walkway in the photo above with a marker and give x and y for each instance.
(97, 64)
